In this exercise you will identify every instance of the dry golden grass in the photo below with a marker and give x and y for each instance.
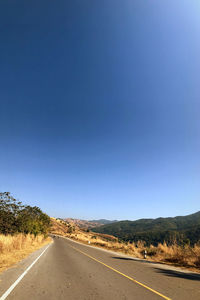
(186, 256)
(60, 227)
(15, 248)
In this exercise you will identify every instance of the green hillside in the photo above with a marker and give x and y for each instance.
(183, 229)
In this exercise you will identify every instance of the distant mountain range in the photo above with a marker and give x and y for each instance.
(88, 224)
(103, 221)
(183, 229)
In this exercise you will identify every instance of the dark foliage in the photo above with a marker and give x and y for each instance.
(15, 217)
(183, 230)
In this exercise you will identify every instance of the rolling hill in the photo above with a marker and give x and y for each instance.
(183, 229)
(85, 224)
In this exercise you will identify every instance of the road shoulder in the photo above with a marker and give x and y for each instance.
(8, 277)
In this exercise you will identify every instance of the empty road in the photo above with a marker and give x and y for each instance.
(69, 270)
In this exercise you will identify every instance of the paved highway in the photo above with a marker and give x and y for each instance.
(72, 271)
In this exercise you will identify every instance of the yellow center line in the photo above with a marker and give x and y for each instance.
(130, 278)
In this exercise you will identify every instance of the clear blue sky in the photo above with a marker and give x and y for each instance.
(100, 106)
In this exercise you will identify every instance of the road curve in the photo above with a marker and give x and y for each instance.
(72, 271)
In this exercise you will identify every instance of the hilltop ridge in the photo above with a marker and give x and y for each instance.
(104, 221)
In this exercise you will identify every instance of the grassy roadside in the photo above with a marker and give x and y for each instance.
(17, 247)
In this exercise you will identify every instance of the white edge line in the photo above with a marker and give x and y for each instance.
(5, 295)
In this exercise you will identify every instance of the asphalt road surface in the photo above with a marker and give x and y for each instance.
(69, 270)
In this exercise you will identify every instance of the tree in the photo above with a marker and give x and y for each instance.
(15, 217)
